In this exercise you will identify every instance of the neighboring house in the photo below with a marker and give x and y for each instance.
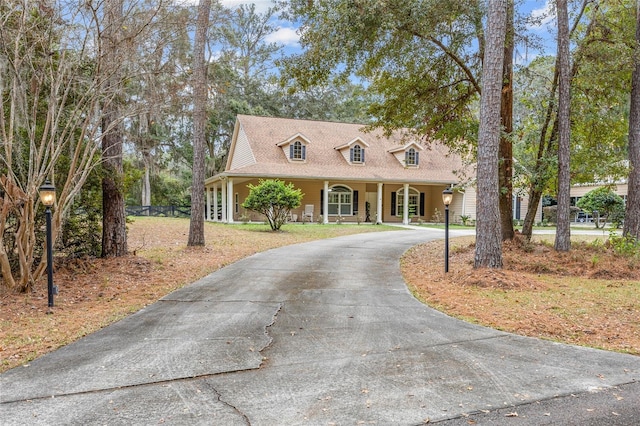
(578, 191)
(344, 173)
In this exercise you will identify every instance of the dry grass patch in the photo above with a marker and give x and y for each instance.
(589, 296)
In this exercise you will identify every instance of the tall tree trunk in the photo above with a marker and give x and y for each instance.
(563, 230)
(541, 170)
(200, 92)
(488, 231)
(632, 214)
(114, 231)
(506, 141)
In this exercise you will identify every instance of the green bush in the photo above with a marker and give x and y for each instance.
(274, 199)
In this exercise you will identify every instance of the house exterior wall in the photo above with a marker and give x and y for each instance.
(242, 155)
(579, 191)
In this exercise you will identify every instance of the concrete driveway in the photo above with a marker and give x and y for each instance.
(318, 333)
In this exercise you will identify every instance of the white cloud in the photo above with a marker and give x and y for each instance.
(261, 5)
(544, 15)
(285, 36)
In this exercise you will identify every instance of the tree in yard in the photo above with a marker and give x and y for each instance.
(505, 171)
(488, 229)
(423, 63)
(599, 74)
(200, 96)
(563, 230)
(632, 221)
(49, 127)
(605, 202)
(274, 199)
(114, 226)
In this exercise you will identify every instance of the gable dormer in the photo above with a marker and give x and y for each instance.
(353, 151)
(295, 148)
(408, 155)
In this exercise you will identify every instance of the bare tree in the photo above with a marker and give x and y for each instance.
(200, 95)
(47, 113)
(563, 230)
(488, 230)
(632, 214)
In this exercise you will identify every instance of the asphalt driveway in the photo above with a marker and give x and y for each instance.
(318, 333)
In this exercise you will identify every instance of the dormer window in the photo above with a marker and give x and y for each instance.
(295, 148)
(408, 155)
(353, 151)
(411, 157)
(356, 154)
(297, 151)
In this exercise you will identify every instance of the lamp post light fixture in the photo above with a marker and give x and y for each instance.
(447, 197)
(48, 198)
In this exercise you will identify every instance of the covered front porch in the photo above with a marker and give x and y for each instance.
(339, 201)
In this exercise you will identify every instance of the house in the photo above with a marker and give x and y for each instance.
(345, 173)
(620, 187)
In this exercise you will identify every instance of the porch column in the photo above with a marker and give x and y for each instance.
(230, 200)
(215, 202)
(325, 203)
(379, 205)
(208, 209)
(223, 195)
(405, 205)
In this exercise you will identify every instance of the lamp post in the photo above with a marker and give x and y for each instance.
(48, 198)
(447, 197)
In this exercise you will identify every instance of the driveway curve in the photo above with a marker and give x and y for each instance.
(316, 333)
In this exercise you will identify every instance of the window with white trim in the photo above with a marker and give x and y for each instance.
(340, 201)
(414, 202)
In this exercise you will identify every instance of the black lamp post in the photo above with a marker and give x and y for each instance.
(447, 197)
(48, 198)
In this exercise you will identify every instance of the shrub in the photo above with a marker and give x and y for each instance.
(274, 199)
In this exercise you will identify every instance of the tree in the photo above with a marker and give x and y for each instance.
(563, 230)
(599, 70)
(605, 202)
(48, 127)
(200, 96)
(114, 226)
(488, 229)
(505, 171)
(632, 215)
(422, 61)
(274, 199)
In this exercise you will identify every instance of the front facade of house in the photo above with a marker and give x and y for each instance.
(345, 174)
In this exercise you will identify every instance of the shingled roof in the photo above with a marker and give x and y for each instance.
(257, 151)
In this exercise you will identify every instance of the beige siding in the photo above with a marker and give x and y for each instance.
(579, 191)
(242, 154)
(469, 202)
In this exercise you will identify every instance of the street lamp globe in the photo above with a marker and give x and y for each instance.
(47, 194)
(447, 196)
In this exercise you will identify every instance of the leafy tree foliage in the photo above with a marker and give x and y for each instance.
(274, 199)
(605, 202)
